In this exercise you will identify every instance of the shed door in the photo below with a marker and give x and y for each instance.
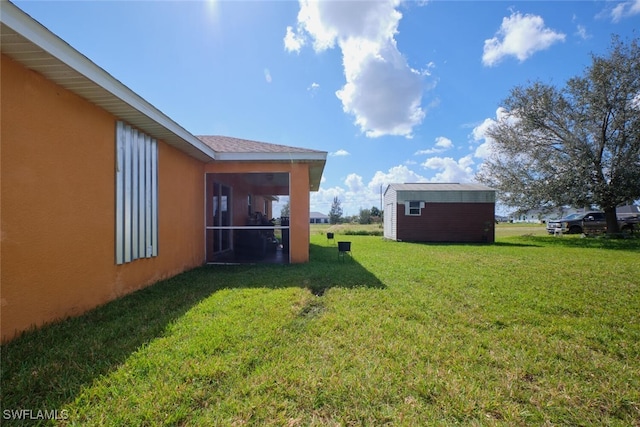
(389, 220)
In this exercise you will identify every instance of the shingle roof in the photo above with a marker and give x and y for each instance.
(227, 144)
(227, 148)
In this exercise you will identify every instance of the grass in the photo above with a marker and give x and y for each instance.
(532, 330)
(502, 229)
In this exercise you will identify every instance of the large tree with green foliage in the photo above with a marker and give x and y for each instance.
(578, 145)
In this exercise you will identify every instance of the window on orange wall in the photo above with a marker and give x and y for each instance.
(136, 194)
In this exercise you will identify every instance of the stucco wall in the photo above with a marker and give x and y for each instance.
(57, 206)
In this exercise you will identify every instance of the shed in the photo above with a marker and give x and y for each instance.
(439, 212)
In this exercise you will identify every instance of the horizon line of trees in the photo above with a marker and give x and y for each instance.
(364, 216)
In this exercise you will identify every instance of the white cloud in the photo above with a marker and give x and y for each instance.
(479, 133)
(321, 200)
(354, 183)
(582, 32)
(625, 10)
(313, 88)
(396, 174)
(442, 144)
(355, 194)
(451, 170)
(520, 36)
(293, 42)
(340, 152)
(382, 91)
(267, 75)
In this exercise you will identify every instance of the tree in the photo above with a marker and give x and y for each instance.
(335, 214)
(364, 216)
(285, 210)
(578, 146)
(376, 215)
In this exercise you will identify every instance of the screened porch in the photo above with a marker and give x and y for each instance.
(241, 226)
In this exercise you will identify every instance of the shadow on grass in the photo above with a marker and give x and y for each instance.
(45, 369)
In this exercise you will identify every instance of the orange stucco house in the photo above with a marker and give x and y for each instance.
(102, 194)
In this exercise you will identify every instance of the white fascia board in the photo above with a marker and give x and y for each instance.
(14, 18)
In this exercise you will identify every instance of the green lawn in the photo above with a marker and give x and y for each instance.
(532, 330)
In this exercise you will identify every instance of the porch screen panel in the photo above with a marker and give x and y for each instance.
(136, 195)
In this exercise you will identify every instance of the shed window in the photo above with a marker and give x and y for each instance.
(136, 195)
(413, 208)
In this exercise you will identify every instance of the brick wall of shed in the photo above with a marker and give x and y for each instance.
(448, 222)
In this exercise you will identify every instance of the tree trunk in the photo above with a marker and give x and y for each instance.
(611, 217)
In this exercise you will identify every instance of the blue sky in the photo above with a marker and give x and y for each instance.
(393, 91)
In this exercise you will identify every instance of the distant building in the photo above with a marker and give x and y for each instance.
(318, 218)
(540, 216)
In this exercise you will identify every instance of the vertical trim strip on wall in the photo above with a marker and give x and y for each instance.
(142, 190)
(136, 194)
(127, 194)
(154, 198)
(147, 197)
(119, 202)
(135, 187)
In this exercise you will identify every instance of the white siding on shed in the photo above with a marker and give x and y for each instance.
(390, 210)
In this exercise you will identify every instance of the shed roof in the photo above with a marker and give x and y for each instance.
(439, 186)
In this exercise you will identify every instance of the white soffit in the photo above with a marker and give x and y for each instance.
(30, 43)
